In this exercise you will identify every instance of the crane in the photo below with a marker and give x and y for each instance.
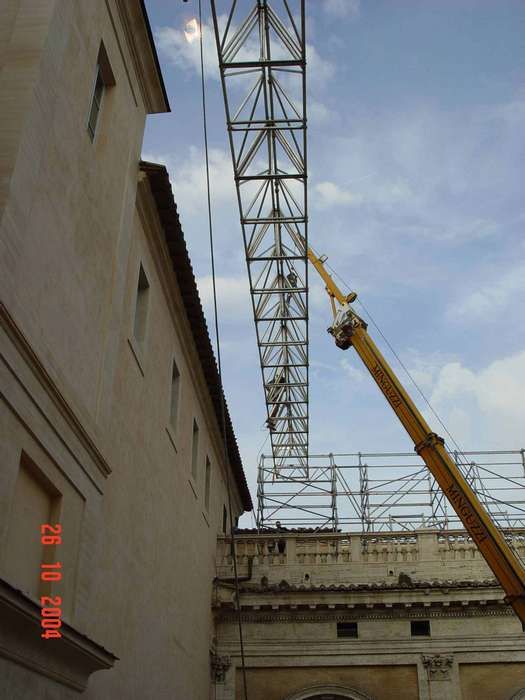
(350, 330)
(262, 64)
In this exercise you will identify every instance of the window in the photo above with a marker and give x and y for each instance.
(35, 501)
(207, 484)
(347, 629)
(103, 78)
(96, 103)
(141, 307)
(224, 519)
(175, 386)
(420, 628)
(194, 449)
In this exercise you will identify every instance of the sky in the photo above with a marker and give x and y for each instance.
(416, 145)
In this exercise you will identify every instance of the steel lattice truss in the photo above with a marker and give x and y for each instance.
(261, 51)
(374, 492)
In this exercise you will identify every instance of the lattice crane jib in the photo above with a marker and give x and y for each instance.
(261, 52)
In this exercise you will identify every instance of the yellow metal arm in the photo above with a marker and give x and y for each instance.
(350, 329)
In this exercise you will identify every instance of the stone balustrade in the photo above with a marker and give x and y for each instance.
(333, 557)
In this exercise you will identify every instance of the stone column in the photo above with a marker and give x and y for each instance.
(439, 669)
(222, 678)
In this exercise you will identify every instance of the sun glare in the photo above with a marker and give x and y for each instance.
(192, 31)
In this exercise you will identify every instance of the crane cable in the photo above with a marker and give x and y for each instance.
(403, 366)
(219, 367)
(459, 451)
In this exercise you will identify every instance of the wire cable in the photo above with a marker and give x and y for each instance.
(218, 349)
(401, 363)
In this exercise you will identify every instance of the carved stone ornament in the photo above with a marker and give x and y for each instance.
(438, 666)
(219, 666)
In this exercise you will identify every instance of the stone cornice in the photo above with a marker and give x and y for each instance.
(69, 660)
(48, 384)
(376, 587)
(362, 612)
(141, 47)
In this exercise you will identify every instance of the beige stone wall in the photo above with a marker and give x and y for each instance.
(81, 402)
(154, 511)
(391, 683)
(298, 587)
(500, 681)
(66, 224)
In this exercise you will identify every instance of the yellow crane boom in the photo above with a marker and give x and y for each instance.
(348, 330)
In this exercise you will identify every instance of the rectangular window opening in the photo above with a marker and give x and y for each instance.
(207, 484)
(194, 449)
(103, 78)
(36, 501)
(175, 387)
(347, 629)
(420, 628)
(224, 519)
(96, 103)
(141, 307)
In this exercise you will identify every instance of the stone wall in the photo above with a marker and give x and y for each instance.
(422, 609)
(87, 435)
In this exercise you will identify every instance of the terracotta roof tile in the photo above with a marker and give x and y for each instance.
(161, 188)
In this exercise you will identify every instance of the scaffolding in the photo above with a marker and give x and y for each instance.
(389, 491)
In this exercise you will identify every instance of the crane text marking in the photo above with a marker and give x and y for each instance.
(386, 386)
(468, 516)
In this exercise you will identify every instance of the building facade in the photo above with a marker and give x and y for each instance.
(388, 616)
(111, 419)
(112, 426)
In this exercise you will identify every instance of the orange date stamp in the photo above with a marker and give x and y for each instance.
(51, 606)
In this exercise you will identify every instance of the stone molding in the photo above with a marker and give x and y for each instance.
(328, 692)
(69, 660)
(268, 616)
(143, 55)
(438, 666)
(219, 666)
(23, 347)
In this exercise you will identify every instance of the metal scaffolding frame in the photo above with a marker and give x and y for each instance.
(374, 492)
(261, 52)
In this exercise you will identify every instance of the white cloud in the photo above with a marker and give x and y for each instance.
(188, 178)
(424, 367)
(483, 409)
(233, 297)
(318, 113)
(491, 298)
(422, 186)
(319, 70)
(342, 8)
(330, 194)
(353, 373)
(174, 45)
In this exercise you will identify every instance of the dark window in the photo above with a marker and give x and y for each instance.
(224, 519)
(194, 449)
(347, 629)
(104, 79)
(175, 386)
(141, 307)
(420, 628)
(96, 103)
(207, 484)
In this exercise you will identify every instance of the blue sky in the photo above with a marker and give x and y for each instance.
(416, 148)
